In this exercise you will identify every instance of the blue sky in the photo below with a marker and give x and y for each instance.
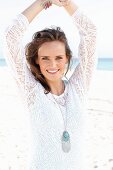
(100, 11)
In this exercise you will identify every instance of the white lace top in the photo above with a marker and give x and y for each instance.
(46, 120)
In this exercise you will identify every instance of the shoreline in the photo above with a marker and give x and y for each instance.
(101, 82)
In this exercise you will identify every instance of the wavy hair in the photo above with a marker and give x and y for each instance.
(31, 51)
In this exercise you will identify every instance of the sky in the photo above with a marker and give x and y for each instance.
(100, 11)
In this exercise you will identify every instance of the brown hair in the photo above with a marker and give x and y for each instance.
(31, 51)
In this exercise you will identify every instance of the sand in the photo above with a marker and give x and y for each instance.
(14, 123)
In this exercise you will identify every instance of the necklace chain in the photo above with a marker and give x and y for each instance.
(65, 104)
(65, 138)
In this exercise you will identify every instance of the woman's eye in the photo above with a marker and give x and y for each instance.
(59, 58)
(44, 58)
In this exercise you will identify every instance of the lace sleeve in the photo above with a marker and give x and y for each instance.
(14, 53)
(82, 75)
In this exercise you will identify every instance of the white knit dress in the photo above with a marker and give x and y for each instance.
(46, 120)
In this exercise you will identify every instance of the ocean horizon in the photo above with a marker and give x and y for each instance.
(102, 63)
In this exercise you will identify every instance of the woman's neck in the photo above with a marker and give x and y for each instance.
(57, 88)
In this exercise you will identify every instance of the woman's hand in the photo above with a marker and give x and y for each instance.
(46, 3)
(69, 5)
(61, 2)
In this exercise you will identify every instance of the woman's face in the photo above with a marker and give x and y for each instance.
(52, 60)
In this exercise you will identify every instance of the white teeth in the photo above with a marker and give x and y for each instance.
(52, 71)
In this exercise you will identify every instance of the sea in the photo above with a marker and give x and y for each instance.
(102, 63)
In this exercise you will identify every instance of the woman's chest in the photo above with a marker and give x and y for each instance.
(57, 115)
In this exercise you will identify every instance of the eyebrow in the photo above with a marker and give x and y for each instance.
(55, 56)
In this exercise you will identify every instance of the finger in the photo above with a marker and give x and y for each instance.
(45, 5)
(50, 3)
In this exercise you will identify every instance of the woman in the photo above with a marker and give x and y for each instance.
(56, 107)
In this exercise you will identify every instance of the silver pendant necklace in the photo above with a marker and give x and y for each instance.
(66, 144)
(65, 138)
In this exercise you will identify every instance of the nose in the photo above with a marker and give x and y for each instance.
(53, 63)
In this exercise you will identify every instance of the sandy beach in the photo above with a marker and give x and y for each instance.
(14, 123)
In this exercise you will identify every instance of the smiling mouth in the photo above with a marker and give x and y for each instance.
(52, 71)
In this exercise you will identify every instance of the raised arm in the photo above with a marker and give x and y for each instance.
(14, 52)
(82, 75)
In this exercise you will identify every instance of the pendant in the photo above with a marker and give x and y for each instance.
(66, 145)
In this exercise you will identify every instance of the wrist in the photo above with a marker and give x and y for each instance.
(65, 3)
(71, 7)
(39, 4)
